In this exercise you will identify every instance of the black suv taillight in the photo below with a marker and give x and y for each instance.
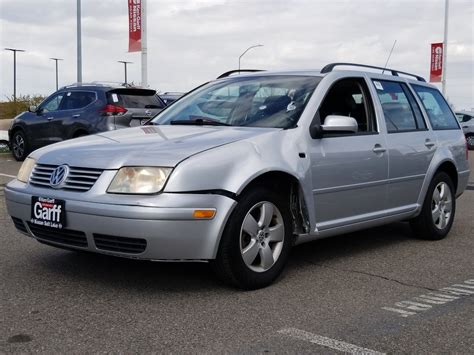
(111, 110)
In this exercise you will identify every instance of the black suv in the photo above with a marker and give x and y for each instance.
(79, 110)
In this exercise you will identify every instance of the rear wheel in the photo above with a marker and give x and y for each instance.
(20, 146)
(256, 241)
(437, 214)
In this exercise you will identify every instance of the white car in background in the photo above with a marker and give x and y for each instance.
(3, 140)
(466, 120)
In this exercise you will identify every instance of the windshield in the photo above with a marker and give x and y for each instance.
(258, 101)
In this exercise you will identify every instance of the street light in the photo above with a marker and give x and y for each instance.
(249, 48)
(125, 66)
(56, 60)
(14, 69)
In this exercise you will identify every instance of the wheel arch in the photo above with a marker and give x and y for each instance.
(79, 131)
(446, 165)
(283, 182)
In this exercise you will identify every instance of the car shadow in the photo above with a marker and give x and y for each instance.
(145, 276)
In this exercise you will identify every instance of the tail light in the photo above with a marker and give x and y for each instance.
(110, 110)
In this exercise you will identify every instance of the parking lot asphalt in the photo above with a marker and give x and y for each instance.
(374, 291)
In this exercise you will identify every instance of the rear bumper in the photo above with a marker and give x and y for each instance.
(170, 232)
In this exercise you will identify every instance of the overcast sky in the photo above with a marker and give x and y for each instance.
(192, 41)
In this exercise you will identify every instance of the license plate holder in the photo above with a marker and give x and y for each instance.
(48, 212)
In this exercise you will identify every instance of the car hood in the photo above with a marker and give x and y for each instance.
(142, 146)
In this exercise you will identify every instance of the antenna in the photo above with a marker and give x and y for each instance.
(389, 55)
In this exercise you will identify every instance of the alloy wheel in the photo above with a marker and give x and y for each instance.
(18, 145)
(441, 205)
(261, 236)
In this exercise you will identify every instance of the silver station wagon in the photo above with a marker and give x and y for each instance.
(242, 168)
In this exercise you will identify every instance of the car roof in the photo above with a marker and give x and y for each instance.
(386, 73)
(104, 86)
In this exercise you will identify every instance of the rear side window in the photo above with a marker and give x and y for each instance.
(400, 109)
(134, 101)
(439, 113)
(77, 99)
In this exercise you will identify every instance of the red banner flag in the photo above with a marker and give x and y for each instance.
(134, 25)
(436, 66)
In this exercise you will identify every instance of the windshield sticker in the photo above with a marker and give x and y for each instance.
(378, 85)
(114, 98)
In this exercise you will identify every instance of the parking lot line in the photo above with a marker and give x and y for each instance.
(10, 176)
(327, 342)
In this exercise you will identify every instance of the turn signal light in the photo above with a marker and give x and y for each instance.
(204, 214)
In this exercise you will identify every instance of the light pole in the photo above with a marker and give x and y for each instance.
(125, 66)
(249, 48)
(56, 60)
(445, 47)
(14, 69)
(79, 43)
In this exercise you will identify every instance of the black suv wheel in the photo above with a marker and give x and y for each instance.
(19, 145)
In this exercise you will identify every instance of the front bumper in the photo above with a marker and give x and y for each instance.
(170, 231)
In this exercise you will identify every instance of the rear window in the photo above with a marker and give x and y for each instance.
(439, 113)
(134, 100)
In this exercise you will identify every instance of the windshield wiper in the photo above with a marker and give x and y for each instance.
(199, 122)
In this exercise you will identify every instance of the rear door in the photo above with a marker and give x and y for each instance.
(73, 114)
(141, 104)
(411, 145)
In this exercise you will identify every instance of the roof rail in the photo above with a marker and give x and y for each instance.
(230, 72)
(328, 68)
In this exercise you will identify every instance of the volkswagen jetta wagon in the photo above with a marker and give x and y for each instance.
(242, 168)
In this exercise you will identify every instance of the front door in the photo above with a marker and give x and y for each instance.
(349, 171)
(43, 127)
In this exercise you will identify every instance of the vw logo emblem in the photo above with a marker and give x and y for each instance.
(58, 175)
(148, 112)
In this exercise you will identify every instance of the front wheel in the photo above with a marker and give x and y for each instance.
(20, 146)
(437, 214)
(256, 241)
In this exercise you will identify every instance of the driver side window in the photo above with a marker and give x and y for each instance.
(350, 97)
(53, 103)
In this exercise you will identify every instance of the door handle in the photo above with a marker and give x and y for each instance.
(429, 143)
(76, 116)
(50, 118)
(378, 149)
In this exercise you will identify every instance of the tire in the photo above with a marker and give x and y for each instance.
(264, 242)
(20, 146)
(437, 214)
(470, 141)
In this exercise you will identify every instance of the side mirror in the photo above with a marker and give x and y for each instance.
(32, 108)
(334, 123)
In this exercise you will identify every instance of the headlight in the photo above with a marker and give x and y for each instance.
(25, 170)
(139, 180)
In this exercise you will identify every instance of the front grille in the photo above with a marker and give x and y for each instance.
(19, 224)
(120, 244)
(63, 236)
(78, 179)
